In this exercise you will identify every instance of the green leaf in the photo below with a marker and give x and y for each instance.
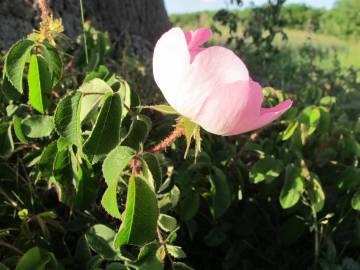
(15, 62)
(109, 201)
(176, 251)
(192, 131)
(39, 80)
(63, 171)
(8, 90)
(67, 119)
(37, 259)
(126, 96)
(221, 197)
(317, 193)
(87, 185)
(167, 223)
(100, 239)
(53, 59)
(149, 258)
(141, 214)
(189, 205)
(38, 126)
(151, 170)
(266, 169)
(6, 140)
(355, 201)
(115, 163)
(82, 252)
(93, 92)
(112, 168)
(46, 162)
(163, 108)
(18, 129)
(106, 132)
(290, 130)
(292, 188)
(310, 117)
(138, 132)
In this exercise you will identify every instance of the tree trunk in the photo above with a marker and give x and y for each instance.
(142, 20)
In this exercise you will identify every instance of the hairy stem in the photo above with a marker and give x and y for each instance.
(175, 134)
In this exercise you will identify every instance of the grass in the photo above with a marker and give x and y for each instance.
(348, 52)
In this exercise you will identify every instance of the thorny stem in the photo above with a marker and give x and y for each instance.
(163, 243)
(175, 134)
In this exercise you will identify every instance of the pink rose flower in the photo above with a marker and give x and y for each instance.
(211, 86)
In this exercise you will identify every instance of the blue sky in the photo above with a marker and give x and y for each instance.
(183, 6)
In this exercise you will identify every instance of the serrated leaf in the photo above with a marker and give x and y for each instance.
(151, 170)
(67, 119)
(6, 140)
(115, 163)
(18, 129)
(93, 92)
(167, 223)
(62, 170)
(8, 90)
(106, 132)
(292, 188)
(46, 162)
(138, 132)
(109, 201)
(163, 108)
(140, 216)
(112, 168)
(221, 197)
(176, 251)
(266, 169)
(53, 59)
(39, 81)
(100, 239)
(38, 126)
(15, 62)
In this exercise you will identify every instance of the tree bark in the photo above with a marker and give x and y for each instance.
(143, 20)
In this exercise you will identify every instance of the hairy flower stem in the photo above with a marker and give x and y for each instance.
(175, 134)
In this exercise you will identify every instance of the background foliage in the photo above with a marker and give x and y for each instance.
(73, 136)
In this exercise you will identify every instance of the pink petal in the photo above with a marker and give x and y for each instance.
(195, 39)
(211, 69)
(221, 112)
(171, 62)
(266, 116)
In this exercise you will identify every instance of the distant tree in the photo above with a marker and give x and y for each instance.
(343, 20)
